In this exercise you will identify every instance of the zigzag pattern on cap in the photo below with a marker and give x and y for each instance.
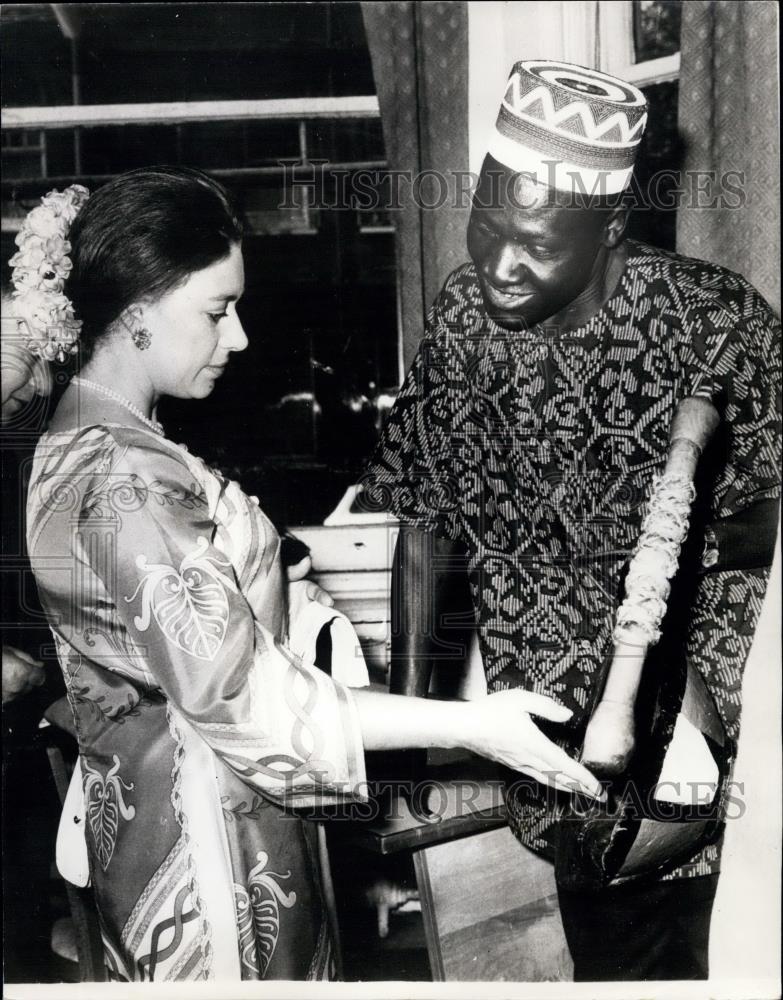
(569, 125)
(575, 118)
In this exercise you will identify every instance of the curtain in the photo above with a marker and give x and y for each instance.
(419, 57)
(728, 117)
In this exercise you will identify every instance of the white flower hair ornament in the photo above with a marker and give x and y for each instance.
(41, 267)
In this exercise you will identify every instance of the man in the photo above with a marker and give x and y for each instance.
(527, 435)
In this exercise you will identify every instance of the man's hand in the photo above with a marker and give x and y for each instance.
(504, 731)
(21, 673)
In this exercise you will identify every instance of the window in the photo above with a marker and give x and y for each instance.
(640, 42)
(656, 29)
(248, 92)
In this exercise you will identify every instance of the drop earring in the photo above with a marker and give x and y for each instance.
(141, 338)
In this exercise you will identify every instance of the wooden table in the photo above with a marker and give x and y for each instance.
(489, 905)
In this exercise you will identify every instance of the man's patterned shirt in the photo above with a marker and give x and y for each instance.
(537, 450)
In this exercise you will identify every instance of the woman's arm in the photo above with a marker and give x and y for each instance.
(283, 726)
(498, 726)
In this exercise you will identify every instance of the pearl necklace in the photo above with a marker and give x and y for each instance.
(102, 390)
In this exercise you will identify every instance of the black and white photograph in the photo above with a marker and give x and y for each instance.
(391, 475)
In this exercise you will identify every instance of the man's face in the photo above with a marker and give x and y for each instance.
(533, 257)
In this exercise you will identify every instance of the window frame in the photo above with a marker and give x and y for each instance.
(41, 119)
(617, 50)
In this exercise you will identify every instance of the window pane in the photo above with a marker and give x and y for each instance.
(346, 140)
(656, 28)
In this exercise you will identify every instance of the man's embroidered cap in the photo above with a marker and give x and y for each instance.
(571, 128)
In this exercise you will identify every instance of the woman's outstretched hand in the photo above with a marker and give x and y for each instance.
(504, 730)
(498, 726)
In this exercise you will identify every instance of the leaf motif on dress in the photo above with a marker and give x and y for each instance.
(189, 498)
(101, 709)
(243, 810)
(115, 636)
(105, 803)
(118, 494)
(258, 915)
(190, 604)
(246, 938)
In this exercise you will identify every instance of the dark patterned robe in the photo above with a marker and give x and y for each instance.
(163, 586)
(537, 450)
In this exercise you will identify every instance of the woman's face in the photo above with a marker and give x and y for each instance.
(194, 328)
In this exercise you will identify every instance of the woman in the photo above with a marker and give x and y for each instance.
(164, 590)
